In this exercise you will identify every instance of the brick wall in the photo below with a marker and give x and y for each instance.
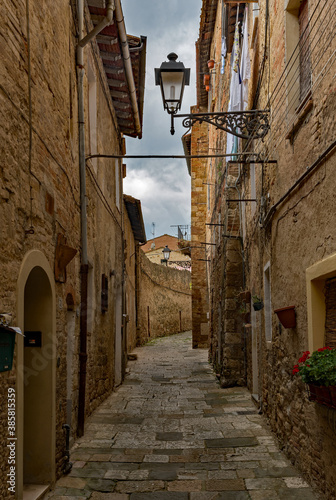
(164, 300)
(200, 307)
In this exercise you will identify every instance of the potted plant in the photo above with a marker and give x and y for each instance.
(318, 371)
(257, 303)
(245, 313)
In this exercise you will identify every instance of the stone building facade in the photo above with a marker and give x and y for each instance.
(271, 199)
(197, 144)
(62, 241)
(135, 238)
(178, 258)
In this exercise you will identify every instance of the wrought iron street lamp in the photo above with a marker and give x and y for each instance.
(172, 76)
(166, 254)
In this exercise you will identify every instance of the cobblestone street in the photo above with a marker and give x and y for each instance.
(171, 433)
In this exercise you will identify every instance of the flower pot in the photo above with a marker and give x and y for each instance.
(312, 392)
(332, 390)
(286, 316)
(207, 88)
(257, 306)
(206, 79)
(211, 63)
(320, 394)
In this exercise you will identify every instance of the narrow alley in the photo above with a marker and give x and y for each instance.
(170, 432)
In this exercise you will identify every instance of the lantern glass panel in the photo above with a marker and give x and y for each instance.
(172, 84)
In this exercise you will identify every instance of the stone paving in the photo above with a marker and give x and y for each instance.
(171, 433)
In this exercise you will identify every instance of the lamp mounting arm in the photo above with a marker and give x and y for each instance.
(244, 124)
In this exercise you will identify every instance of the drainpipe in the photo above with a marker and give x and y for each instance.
(105, 22)
(84, 256)
(128, 64)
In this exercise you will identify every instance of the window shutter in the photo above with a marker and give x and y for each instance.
(330, 322)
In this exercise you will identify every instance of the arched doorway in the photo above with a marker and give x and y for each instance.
(36, 375)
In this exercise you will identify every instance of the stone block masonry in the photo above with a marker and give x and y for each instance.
(164, 300)
(200, 308)
(39, 200)
(178, 436)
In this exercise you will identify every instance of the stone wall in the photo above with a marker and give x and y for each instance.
(294, 237)
(165, 300)
(131, 253)
(200, 306)
(288, 229)
(40, 199)
(224, 253)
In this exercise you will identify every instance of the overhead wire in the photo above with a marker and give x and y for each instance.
(102, 197)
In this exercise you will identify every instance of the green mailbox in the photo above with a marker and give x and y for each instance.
(7, 343)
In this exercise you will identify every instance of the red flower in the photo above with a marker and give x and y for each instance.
(295, 369)
(304, 357)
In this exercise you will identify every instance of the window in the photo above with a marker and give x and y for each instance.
(320, 292)
(304, 50)
(298, 75)
(330, 319)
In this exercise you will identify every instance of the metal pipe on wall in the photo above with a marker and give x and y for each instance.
(105, 22)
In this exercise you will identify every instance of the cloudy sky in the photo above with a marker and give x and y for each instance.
(163, 186)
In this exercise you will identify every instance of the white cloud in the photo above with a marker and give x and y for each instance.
(163, 186)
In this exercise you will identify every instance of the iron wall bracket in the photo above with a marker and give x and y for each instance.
(252, 124)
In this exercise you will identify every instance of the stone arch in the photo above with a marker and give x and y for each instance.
(36, 374)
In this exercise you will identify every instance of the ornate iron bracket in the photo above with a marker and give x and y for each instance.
(252, 124)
